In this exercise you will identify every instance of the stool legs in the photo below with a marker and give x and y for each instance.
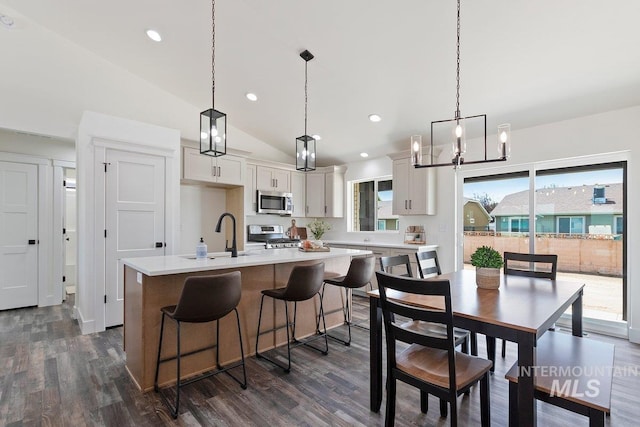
(291, 336)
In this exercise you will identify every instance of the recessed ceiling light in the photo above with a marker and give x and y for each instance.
(364, 155)
(374, 118)
(7, 21)
(154, 35)
(316, 137)
(251, 96)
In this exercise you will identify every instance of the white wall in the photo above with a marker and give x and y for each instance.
(200, 208)
(38, 146)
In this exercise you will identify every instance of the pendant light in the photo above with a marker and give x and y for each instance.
(458, 128)
(305, 144)
(213, 123)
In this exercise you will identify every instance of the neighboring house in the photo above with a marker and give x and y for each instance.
(386, 219)
(585, 209)
(476, 217)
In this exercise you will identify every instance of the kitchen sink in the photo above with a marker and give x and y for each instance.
(193, 257)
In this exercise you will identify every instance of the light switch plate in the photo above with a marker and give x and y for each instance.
(139, 277)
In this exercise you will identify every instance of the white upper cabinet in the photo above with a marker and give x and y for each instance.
(414, 190)
(272, 179)
(227, 169)
(250, 196)
(325, 192)
(298, 191)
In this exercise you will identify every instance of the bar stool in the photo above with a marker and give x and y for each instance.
(358, 275)
(304, 283)
(203, 299)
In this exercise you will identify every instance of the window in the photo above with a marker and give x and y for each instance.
(571, 225)
(371, 205)
(519, 225)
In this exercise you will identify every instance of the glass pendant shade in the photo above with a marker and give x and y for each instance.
(213, 133)
(504, 140)
(305, 153)
(416, 150)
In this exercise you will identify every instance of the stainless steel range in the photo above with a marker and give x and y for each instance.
(272, 236)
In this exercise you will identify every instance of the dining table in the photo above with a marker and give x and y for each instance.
(521, 310)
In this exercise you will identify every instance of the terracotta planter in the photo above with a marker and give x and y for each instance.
(488, 278)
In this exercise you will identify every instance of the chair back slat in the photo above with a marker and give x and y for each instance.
(435, 316)
(531, 265)
(387, 264)
(428, 265)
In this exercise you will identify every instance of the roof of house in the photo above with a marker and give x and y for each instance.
(563, 201)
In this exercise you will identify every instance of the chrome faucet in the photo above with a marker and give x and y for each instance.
(234, 248)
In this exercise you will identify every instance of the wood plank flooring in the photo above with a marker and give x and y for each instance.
(51, 375)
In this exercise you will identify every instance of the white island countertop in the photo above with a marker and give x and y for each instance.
(412, 246)
(176, 264)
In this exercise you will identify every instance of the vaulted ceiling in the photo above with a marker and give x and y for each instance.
(524, 62)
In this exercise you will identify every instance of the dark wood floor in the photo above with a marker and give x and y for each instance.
(51, 375)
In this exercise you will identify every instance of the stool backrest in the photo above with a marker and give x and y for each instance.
(304, 282)
(208, 298)
(360, 272)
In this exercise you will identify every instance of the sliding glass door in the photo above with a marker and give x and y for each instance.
(578, 213)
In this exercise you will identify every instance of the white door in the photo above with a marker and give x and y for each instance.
(135, 189)
(18, 235)
(70, 237)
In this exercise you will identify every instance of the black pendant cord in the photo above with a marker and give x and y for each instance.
(305, 96)
(213, 53)
(458, 66)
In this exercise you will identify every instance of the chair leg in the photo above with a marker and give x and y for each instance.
(424, 402)
(390, 415)
(465, 346)
(485, 401)
(504, 348)
(491, 351)
(243, 382)
(155, 381)
(443, 407)
(513, 404)
(262, 356)
(453, 420)
(474, 344)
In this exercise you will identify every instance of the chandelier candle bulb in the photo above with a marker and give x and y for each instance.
(416, 149)
(504, 140)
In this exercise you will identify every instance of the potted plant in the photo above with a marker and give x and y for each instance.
(488, 263)
(318, 227)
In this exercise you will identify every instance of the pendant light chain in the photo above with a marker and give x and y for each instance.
(458, 66)
(305, 96)
(213, 53)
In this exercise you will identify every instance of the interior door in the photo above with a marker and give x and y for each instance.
(18, 235)
(135, 225)
(70, 236)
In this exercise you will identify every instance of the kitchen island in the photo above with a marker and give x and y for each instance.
(154, 282)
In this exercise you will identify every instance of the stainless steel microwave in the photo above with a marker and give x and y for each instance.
(275, 202)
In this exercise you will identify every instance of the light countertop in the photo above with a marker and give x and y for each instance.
(175, 264)
(379, 244)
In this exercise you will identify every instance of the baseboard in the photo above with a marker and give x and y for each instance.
(634, 335)
(86, 326)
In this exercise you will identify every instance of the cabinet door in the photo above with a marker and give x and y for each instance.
(401, 186)
(422, 191)
(315, 195)
(378, 252)
(264, 179)
(334, 195)
(230, 170)
(197, 166)
(298, 191)
(250, 197)
(282, 180)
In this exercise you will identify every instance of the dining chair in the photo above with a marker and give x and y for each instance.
(529, 265)
(391, 264)
(428, 266)
(430, 362)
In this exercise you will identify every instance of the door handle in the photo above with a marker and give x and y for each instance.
(405, 204)
(219, 171)
(410, 204)
(32, 241)
(215, 171)
(159, 244)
